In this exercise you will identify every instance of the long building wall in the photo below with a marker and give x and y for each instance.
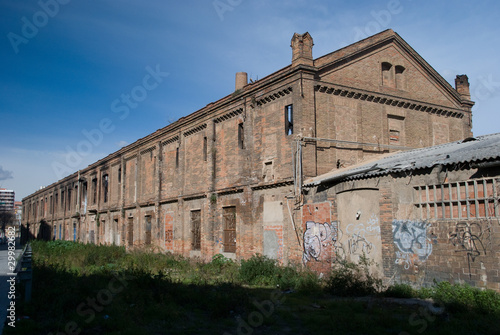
(226, 178)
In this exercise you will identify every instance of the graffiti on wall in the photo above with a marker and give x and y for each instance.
(317, 237)
(358, 236)
(469, 238)
(414, 245)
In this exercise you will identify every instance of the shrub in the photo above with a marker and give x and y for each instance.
(259, 270)
(351, 279)
(462, 297)
(400, 291)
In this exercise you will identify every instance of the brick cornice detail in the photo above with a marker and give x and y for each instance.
(271, 97)
(347, 92)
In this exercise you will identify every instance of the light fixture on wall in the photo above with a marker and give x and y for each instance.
(358, 215)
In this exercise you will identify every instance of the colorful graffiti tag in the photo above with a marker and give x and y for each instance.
(412, 241)
(316, 238)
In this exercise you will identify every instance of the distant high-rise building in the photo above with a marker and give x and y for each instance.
(6, 200)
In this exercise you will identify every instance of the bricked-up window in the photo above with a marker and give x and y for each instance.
(400, 79)
(289, 120)
(94, 191)
(241, 136)
(460, 200)
(205, 148)
(196, 230)
(229, 219)
(105, 184)
(387, 74)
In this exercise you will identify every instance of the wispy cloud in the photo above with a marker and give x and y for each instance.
(4, 174)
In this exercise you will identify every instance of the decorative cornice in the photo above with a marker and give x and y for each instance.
(387, 100)
(272, 185)
(145, 151)
(170, 140)
(194, 197)
(229, 115)
(230, 191)
(195, 130)
(264, 100)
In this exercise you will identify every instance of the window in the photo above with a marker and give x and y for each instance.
(229, 219)
(400, 79)
(119, 175)
(289, 120)
(205, 148)
(148, 230)
(471, 199)
(241, 136)
(394, 136)
(69, 198)
(62, 200)
(387, 74)
(105, 180)
(94, 190)
(196, 230)
(130, 226)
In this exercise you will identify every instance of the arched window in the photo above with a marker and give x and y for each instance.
(400, 77)
(387, 74)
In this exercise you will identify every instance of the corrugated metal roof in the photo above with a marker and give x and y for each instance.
(471, 150)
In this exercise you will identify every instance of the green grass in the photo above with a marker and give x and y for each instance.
(105, 290)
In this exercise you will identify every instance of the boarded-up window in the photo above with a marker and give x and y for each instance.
(229, 218)
(196, 230)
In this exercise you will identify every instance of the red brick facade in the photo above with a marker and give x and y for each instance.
(250, 151)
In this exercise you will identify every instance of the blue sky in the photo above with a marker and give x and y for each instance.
(119, 70)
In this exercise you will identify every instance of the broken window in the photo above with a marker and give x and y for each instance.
(229, 218)
(241, 136)
(196, 230)
(289, 120)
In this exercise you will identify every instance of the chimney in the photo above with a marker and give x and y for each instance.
(302, 49)
(462, 86)
(241, 80)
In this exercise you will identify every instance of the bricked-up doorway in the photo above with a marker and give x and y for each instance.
(196, 230)
(229, 219)
(130, 225)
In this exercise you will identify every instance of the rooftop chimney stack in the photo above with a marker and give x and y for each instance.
(462, 86)
(241, 80)
(302, 49)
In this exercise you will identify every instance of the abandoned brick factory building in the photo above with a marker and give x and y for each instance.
(232, 177)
